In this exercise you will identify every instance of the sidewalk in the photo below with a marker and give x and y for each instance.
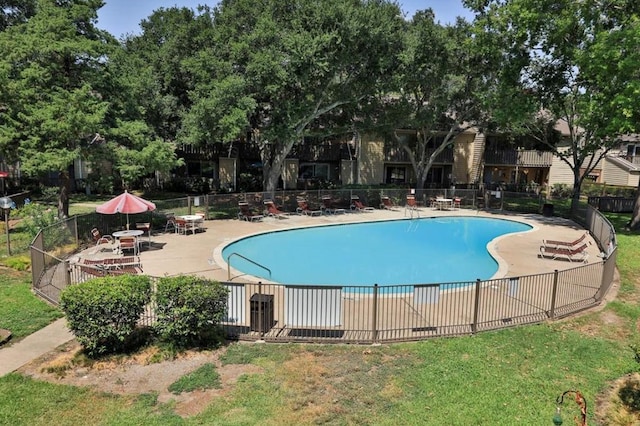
(31, 347)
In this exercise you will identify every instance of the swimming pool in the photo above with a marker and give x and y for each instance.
(416, 251)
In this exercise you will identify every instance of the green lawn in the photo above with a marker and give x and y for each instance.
(20, 311)
(508, 377)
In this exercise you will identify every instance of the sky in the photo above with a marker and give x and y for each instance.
(122, 17)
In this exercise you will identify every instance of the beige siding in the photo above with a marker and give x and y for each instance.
(371, 162)
(228, 173)
(463, 156)
(560, 172)
(615, 173)
(347, 171)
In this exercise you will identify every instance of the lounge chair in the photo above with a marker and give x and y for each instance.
(101, 239)
(412, 204)
(386, 204)
(358, 206)
(565, 244)
(304, 208)
(579, 254)
(273, 211)
(245, 213)
(328, 207)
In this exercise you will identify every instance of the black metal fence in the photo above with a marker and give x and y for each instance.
(356, 314)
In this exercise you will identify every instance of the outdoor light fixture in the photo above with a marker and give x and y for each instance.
(582, 403)
(5, 204)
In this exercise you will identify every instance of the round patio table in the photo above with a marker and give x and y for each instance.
(128, 233)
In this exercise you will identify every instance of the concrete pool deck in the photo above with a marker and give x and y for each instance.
(199, 254)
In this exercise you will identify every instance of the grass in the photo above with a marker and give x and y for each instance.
(506, 377)
(205, 377)
(20, 311)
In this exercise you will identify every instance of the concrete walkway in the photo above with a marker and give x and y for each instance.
(14, 356)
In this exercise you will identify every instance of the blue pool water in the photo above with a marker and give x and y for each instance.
(418, 251)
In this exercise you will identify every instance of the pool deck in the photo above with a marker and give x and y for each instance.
(200, 254)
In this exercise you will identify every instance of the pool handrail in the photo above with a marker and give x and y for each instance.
(248, 260)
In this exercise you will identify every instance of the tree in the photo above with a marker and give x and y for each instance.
(15, 11)
(50, 109)
(279, 67)
(437, 90)
(558, 70)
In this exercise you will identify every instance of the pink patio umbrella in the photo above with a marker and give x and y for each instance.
(126, 203)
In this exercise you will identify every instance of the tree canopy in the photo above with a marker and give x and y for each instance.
(557, 58)
(278, 68)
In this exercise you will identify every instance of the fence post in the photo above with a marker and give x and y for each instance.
(189, 203)
(206, 206)
(476, 308)
(554, 292)
(67, 274)
(374, 316)
(260, 313)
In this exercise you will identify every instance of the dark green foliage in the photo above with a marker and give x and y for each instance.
(103, 313)
(189, 309)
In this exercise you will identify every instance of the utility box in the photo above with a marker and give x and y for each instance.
(261, 312)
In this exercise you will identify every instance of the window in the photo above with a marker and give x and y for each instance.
(396, 174)
(314, 171)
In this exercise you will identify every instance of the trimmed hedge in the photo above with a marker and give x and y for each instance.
(103, 313)
(188, 309)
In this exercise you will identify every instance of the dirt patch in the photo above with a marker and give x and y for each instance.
(137, 375)
(618, 405)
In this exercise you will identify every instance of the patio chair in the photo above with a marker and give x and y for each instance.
(273, 211)
(565, 244)
(180, 226)
(579, 254)
(358, 206)
(245, 213)
(101, 239)
(145, 227)
(457, 201)
(128, 243)
(171, 222)
(304, 208)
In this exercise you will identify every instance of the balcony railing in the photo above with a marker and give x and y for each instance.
(320, 152)
(398, 155)
(525, 158)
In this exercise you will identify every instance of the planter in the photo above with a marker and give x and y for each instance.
(547, 209)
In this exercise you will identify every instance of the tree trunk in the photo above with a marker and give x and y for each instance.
(272, 164)
(575, 195)
(634, 223)
(63, 197)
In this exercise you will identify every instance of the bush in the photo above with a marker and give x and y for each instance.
(103, 313)
(189, 309)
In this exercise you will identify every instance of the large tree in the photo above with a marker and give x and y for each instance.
(50, 110)
(279, 67)
(555, 73)
(438, 90)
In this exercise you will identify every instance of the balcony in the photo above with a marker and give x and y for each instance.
(513, 157)
(398, 155)
(326, 151)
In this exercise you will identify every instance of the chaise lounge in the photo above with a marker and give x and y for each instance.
(304, 208)
(579, 254)
(565, 244)
(273, 211)
(245, 213)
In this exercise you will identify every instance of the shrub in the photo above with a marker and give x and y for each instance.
(103, 313)
(189, 309)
